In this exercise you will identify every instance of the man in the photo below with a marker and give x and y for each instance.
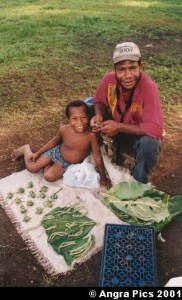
(133, 100)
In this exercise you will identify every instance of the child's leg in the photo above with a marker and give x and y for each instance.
(54, 172)
(32, 167)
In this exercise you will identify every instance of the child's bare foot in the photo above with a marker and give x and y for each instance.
(18, 152)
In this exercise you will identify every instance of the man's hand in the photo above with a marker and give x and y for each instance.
(96, 122)
(110, 127)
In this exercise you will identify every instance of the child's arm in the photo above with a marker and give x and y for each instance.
(104, 181)
(51, 144)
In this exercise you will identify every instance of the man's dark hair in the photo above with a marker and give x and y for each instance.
(76, 103)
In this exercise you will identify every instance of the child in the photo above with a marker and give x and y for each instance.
(71, 145)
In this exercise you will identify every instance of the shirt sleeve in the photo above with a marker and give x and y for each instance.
(152, 116)
(101, 92)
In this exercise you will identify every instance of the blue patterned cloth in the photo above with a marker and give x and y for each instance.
(55, 155)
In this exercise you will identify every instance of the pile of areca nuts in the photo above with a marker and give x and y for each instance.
(49, 199)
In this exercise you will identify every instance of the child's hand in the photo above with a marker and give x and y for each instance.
(33, 157)
(106, 183)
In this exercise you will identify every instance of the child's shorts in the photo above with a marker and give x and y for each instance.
(55, 155)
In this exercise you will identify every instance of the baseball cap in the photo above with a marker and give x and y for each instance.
(126, 51)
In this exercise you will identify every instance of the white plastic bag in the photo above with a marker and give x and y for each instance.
(82, 175)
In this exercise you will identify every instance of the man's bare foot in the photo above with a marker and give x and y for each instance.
(18, 152)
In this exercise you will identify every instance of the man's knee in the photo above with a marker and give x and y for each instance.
(147, 153)
(149, 147)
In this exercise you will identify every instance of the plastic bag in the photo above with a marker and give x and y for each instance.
(82, 175)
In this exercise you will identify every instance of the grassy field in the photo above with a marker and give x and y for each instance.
(55, 51)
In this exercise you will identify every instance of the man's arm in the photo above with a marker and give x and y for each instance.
(112, 128)
(100, 102)
(100, 109)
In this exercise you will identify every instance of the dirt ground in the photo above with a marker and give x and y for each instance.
(18, 266)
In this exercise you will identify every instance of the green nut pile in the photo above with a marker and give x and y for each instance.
(25, 205)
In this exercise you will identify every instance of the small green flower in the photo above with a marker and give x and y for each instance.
(21, 190)
(42, 195)
(32, 194)
(30, 184)
(9, 195)
(44, 189)
(54, 196)
(39, 210)
(22, 209)
(26, 218)
(30, 203)
(48, 203)
(17, 200)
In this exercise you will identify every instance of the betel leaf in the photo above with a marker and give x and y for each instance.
(144, 208)
(157, 195)
(140, 204)
(175, 204)
(175, 207)
(67, 229)
(128, 190)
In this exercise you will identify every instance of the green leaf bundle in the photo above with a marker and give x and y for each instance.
(67, 230)
(140, 204)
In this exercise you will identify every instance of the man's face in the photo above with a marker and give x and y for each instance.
(127, 73)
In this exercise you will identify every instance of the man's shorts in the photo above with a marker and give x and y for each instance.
(55, 156)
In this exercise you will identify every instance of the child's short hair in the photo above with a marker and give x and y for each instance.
(76, 103)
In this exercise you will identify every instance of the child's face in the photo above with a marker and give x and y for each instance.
(78, 118)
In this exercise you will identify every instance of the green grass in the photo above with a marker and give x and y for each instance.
(69, 44)
(47, 281)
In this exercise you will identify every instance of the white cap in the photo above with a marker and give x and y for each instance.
(126, 51)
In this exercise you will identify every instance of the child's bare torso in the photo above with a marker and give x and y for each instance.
(75, 146)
